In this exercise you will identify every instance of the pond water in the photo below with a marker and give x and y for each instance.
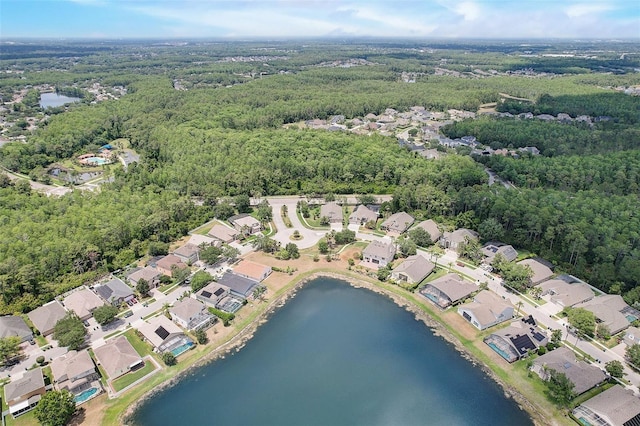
(48, 100)
(337, 355)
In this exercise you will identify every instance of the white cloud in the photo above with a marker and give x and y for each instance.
(469, 10)
(581, 9)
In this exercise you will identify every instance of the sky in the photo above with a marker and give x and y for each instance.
(287, 19)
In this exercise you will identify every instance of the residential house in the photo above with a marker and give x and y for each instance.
(22, 395)
(448, 290)
(397, 223)
(75, 372)
(611, 311)
(224, 233)
(166, 264)
(565, 294)
(563, 360)
(486, 310)
(379, 253)
(192, 315)
(11, 325)
(541, 270)
(413, 270)
(83, 302)
(362, 214)
(517, 340)
(203, 240)
(150, 274)
(115, 291)
(163, 334)
(632, 336)
(432, 228)
(492, 249)
(212, 294)
(252, 270)
(615, 406)
(245, 224)
(331, 211)
(188, 253)
(238, 285)
(46, 316)
(452, 240)
(118, 357)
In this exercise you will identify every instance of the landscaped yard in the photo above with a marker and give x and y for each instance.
(124, 381)
(141, 347)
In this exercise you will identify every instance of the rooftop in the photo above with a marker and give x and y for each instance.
(30, 381)
(416, 267)
(223, 233)
(380, 249)
(71, 365)
(251, 270)
(117, 356)
(157, 329)
(617, 405)
(398, 222)
(453, 286)
(432, 228)
(187, 308)
(46, 316)
(238, 284)
(566, 294)
(12, 325)
(114, 290)
(541, 271)
(82, 302)
(584, 376)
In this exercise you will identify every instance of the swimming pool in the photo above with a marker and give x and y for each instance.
(85, 395)
(503, 354)
(182, 348)
(96, 160)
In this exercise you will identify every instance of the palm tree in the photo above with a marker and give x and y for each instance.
(519, 305)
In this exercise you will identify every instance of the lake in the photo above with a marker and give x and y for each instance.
(50, 100)
(337, 355)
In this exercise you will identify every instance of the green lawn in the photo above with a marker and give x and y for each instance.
(124, 381)
(141, 347)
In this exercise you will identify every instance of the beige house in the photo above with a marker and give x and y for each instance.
(486, 310)
(614, 407)
(541, 272)
(379, 253)
(452, 240)
(46, 316)
(150, 274)
(166, 264)
(331, 211)
(564, 294)
(245, 224)
(191, 315)
(362, 214)
(83, 302)
(611, 311)
(118, 357)
(448, 290)
(432, 228)
(397, 223)
(188, 253)
(517, 340)
(75, 372)
(224, 233)
(163, 334)
(23, 394)
(413, 270)
(563, 360)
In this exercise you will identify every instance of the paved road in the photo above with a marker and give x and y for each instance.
(542, 314)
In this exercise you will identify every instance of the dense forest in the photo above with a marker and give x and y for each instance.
(576, 205)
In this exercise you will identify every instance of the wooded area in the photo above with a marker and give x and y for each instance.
(576, 205)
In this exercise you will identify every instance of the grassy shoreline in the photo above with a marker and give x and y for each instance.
(513, 379)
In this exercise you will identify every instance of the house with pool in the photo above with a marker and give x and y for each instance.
(448, 290)
(517, 340)
(615, 406)
(76, 372)
(191, 314)
(563, 360)
(219, 296)
(165, 336)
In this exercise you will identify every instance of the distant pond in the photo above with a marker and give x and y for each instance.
(50, 100)
(337, 355)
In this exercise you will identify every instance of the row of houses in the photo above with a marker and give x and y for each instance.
(75, 372)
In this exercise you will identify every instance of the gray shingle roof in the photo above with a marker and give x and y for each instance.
(46, 316)
(415, 267)
(616, 404)
(31, 380)
(238, 284)
(584, 376)
(114, 290)
(11, 325)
